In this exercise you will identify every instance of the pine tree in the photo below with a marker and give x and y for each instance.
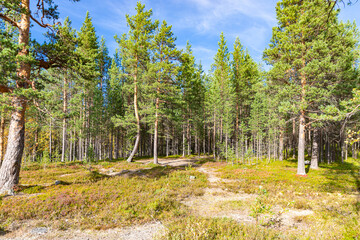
(192, 90)
(222, 95)
(65, 46)
(245, 75)
(88, 50)
(115, 100)
(135, 54)
(307, 52)
(10, 169)
(163, 70)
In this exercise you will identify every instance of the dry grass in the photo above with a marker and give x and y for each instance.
(88, 198)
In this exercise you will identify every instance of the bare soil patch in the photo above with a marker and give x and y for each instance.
(28, 231)
(218, 202)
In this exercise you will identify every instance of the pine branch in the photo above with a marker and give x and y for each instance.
(41, 24)
(9, 20)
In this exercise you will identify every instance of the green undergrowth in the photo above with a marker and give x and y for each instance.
(278, 176)
(331, 193)
(85, 198)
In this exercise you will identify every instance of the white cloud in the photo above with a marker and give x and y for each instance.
(211, 13)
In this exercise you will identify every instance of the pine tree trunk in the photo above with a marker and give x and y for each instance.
(10, 168)
(80, 148)
(50, 141)
(226, 146)
(173, 145)
(36, 143)
(167, 145)
(281, 145)
(111, 145)
(302, 122)
(64, 121)
(214, 137)
(315, 150)
(2, 136)
(183, 145)
(188, 137)
(294, 138)
(204, 138)
(309, 146)
(156, 130)
(71, 146)
(301, 147)
(260, 147)
(138, 129)
(328, 150)
(117, 143)
(269, 149)
(346, 151)
(209, 141)
(236, 130)
(86, 131)
(80, 138)
(196, 147)
(256, 143)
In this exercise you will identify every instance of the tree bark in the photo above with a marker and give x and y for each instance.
(301, 146)
(321, 158)
(10, 168)
(236, 130)
(2, 136)
(183, 145)
(36, 143)
(50, 140)
(64, 120)
(214, 137)
(117, 143)
(188, 137)
(302, 121)
(294, 138)
(315, 150)
(156, 130)
(309, 146)
(111, 145)
(281, 145)
(167, 144)
(138, 129)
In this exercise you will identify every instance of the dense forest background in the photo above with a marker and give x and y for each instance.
(78, 103)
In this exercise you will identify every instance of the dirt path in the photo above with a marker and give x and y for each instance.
(174, 162)
(177, 162)
(140, 232)
(219, 202)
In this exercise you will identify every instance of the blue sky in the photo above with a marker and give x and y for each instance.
(198, 21)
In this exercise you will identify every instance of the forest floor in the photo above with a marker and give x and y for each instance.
(183, 198)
